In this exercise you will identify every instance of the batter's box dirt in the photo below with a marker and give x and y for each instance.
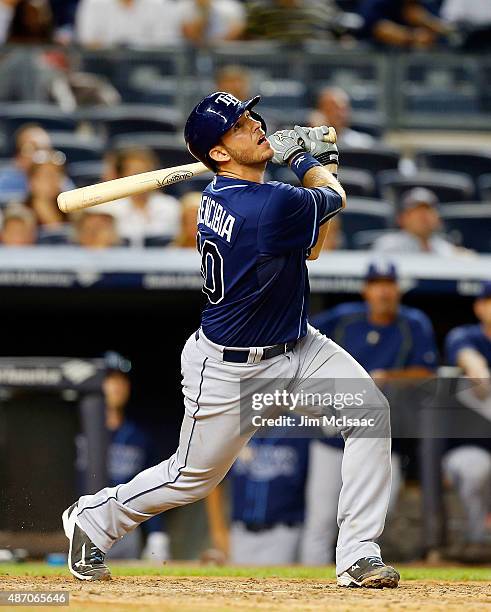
(210, 594)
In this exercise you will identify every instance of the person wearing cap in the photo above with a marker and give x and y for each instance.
(130, 450)
(392, 342)
(467, 464)
(420, 224)
(254, 238)
(18, 227)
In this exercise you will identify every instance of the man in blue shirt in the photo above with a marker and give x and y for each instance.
(468, 464)
(254, 239)
(267, 485)
(393, 342)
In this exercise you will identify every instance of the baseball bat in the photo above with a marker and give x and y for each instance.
(100, 193)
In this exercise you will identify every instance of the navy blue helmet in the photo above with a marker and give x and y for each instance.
(211, 118)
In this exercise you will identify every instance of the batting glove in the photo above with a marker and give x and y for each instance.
(320, 142)
(284, 143)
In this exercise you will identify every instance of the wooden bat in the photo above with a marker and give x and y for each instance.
(100, 193)
(85, 197)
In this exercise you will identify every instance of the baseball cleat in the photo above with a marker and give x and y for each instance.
(85, 560)
(371, 573)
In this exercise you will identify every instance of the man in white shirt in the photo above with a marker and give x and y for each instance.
(148, 215)
(209, 21)
(132, 23)
(334, 108)
(420, 222)
(475, 12)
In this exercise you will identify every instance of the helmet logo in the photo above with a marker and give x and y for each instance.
(227, 99)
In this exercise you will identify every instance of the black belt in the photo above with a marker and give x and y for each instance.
(242, 355)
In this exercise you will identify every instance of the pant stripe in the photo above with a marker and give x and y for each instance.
(187, 450)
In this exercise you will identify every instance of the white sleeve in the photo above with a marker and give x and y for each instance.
(233, 12)
(89, 22)
(452, 10)
(6, 14)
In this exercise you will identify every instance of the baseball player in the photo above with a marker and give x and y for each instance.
(254, 238)
(467, 464)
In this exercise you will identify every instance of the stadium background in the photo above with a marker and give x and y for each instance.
(62, 299)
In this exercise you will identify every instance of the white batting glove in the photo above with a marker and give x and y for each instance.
(320, 142)
(285, 143)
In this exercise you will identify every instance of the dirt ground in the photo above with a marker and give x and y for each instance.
(169, 594)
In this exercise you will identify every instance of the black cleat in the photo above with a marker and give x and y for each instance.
(85, 560)
(371, 573)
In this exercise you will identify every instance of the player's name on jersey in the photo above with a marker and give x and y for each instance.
(308, 421)
(213, 215)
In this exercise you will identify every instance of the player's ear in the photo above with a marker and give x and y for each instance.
(219, 154)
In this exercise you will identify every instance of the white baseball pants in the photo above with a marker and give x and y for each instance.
(211, 439)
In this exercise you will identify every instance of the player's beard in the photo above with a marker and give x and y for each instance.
(254, 157)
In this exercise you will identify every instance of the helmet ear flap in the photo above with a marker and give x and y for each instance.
(258, 117)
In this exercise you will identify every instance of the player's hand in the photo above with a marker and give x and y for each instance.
(284, 143)
(319, 142)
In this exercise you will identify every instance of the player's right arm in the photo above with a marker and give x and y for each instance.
(312, 155)
(322, 176)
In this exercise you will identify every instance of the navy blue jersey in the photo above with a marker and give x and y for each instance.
(268, 481)
(408, 341)
(254, 239)
(467, 336)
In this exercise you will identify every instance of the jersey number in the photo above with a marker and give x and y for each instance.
(212, 272)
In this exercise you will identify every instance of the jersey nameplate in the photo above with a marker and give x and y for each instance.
(213, 215)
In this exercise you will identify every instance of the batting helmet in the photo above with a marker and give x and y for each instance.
(211, 118)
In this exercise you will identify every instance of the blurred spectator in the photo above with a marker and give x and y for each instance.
(132, 23)
(71, 88)
(46, 179)
(268, 501)
(189, 216)
(96, 230)
(393, 343)
(235, 80)
(468, 464)
(420, 223)
(290, 20)
(400, 23)
(334, 108)
(29, 138)
(19, 227)
(149, 215)
(210, 21)
(32, 22)
(472, 18)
